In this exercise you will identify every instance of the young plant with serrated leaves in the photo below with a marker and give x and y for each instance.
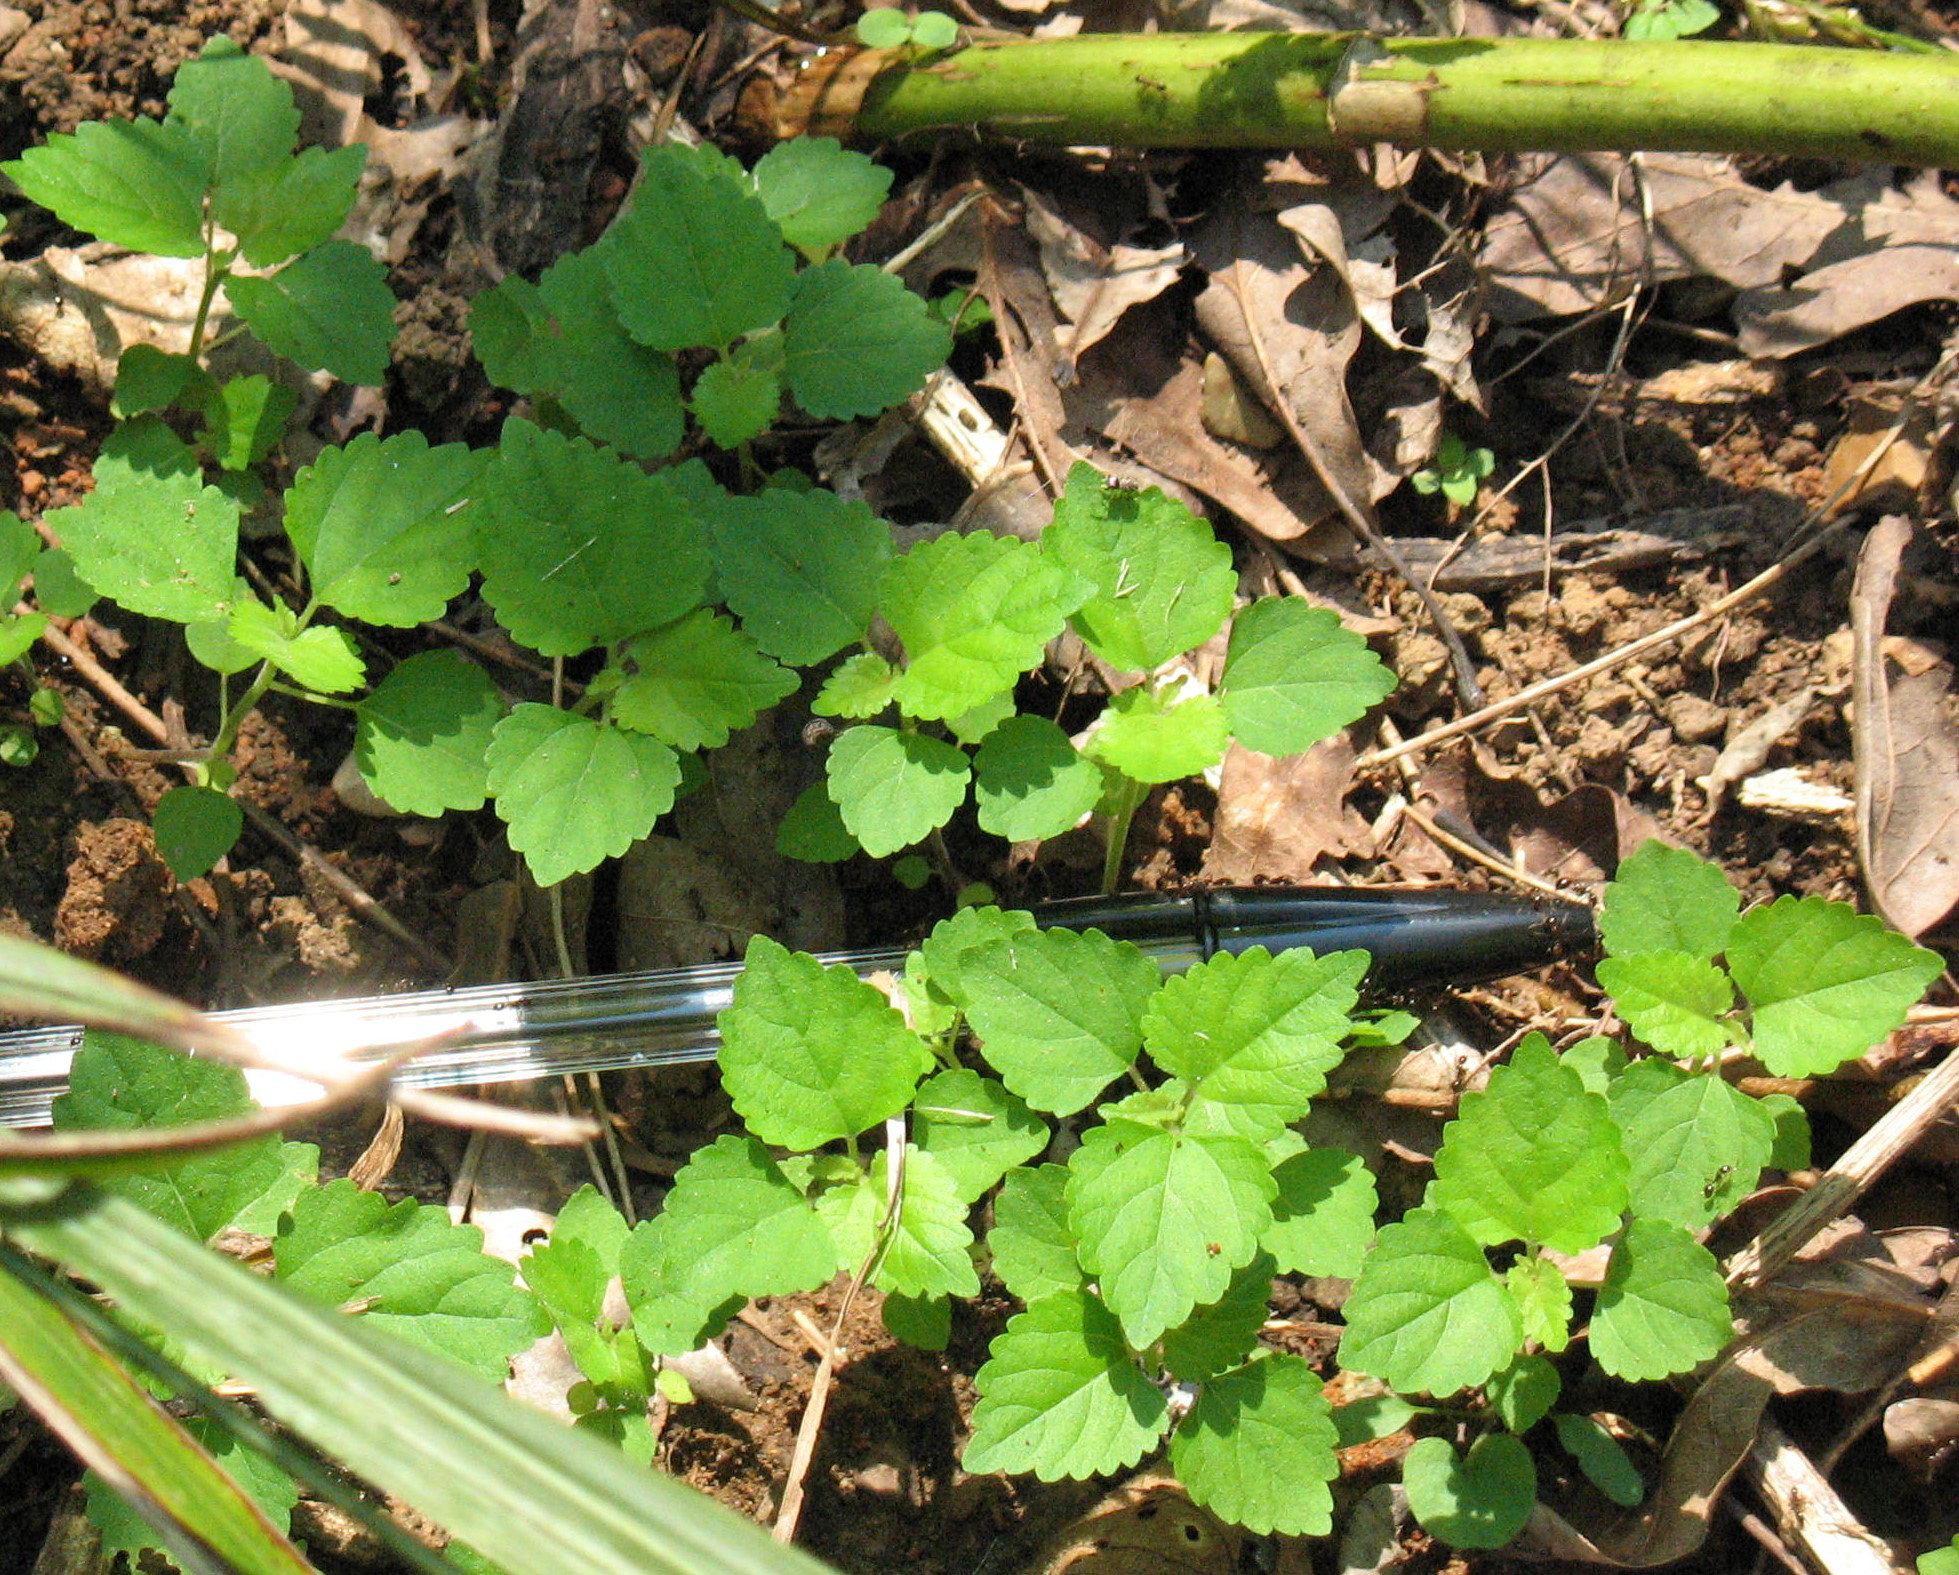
(1561, 1154)
(217, 179)
(1144, 1262)
(1143, 582)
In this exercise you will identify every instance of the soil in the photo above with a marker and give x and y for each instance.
(78, 865)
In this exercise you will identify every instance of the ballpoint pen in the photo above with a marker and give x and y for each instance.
(514, 1032)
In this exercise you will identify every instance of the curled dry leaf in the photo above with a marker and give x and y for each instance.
(1094, 284)
(1906, 742)
(1277, 818)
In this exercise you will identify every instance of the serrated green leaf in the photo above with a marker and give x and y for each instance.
(856, 341)
(1257, 1449)
(1059, 1013)
(813, 831)
(1792, 1146)
(574, 792)
(1030, 782)
(1524, 1392)
(922, 1322)
(1426, 1314)
(1223, 1334)
(818, 192)
(974, 1129)
(620, 391)
(1062, 1397)
(1482, 1501)
(424, 1279)
(732, 1227)
(241, 116)
(944, 950)
(1597, 1060)
(1150, 736)
(800, 569)
(117, 1083)
(927, 1253)
(695, 259)
(810, 1054)
(245, 419)
(512, 331)
(385, 526)
(329, 309)
(893, 788)
(698, 680)
(150, 379)
(1824, 982)
(1033, 1248)
(579, 548)
(737, 400)
(292, 206)
(1294, 675)
(144, 450)
(973, 725)
(1600, 1457)
(1254, 1035)
(1163, 1218)
(1543, 1301)
(161, 545)
(324, 660)
(569, 1273)
(422, 738)
(1533, 1157)
(195, 827)
(859, 688)
(17, 636)
(1665, 899)
(133, 183)
(1323, 1218)
(1673, 1002)
(1697, 1144)
(974, 613)
(1163, 582)
(1663, 1308)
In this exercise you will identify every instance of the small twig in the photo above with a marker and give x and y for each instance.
(1808, 1511)
(535, 1126)
(1476, 855)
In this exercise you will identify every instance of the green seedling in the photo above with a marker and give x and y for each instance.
(887, 27)
(1457, 472)
(1662, 19)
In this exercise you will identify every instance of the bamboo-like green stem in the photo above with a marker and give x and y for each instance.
(1317, 90)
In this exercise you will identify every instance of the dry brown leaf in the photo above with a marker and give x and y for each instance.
(1276, 818)
(1906, 741)
(1094, 284)
(1573, 236)
(1146, 1525)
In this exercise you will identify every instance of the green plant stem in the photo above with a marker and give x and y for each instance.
(1129, 799)
(263, 680)
(1304, 90)
(216, 270)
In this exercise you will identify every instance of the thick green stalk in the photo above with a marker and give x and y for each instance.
(1306, 90)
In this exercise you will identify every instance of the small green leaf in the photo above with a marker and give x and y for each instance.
(1033, 1248)
(579, 548)
(1601, 1458)
(1163, 582)
(1792, 1147)
(860, 687)
(1597, 1060)
(1254, 1035)
(150, 379)
(800, 569)
(885, 27)
(1533, 1157)
(1479, 1502)
(47, 708)
(422, 738)
(1668, 19)
(856, 341)
(1030, 782)
(324, 660)
(1697, 1144)
(738, 399)
(811, 1054)
(162, 545)
(1543, 1301)
(1257, 1449)
(813, 831)
(974, 1129)
(619, 391)
(973, 725)
(1152, 737)
(329, 309)
(922, 1322)
(1223, 1334)
(1824, 982)
(1426, 1314)
(952, 941)
(58, 589)
(134, 183)
(974, 613)
(1059, 1013)
(1294, 675)
(893, 788)
(932, 30)
(1674, 1002)
(1524, 1392)
(246, 419)
(241, 116)
(1663, 1308)
(1666, 900)
(695, 258)
(1378, 1416)
(732, 1227)
(195, 827)
(569, 1273)
(818, 192)
(697, 681)
(574, 792)
(1163, 1218)
(426, 1280)
(293, 206)
(927, 1252)
(20, 546)
(1323, 1218)
(1062, 1397)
